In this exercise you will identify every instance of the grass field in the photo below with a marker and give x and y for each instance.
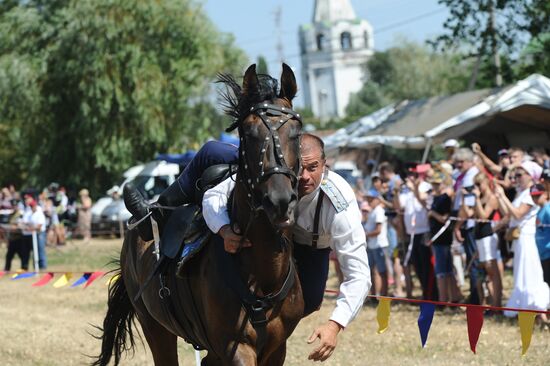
(48, 326)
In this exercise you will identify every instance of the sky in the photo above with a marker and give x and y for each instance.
(252, 22)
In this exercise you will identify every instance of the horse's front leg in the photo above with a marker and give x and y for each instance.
(276, 358)
(243, 355)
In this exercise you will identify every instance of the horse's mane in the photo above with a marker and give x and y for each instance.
(237, 104)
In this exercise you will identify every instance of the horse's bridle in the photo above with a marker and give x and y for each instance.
(263, 111)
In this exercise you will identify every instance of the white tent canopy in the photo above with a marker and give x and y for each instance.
(414, 124)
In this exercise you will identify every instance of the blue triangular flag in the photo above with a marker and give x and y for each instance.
(425, 321)
(21, 275)
(81, 280)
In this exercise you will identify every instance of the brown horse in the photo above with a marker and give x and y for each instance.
(202, 308)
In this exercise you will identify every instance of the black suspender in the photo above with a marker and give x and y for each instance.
(315, 236)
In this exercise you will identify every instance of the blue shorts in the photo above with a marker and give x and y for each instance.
(443, 260)
(377, 259)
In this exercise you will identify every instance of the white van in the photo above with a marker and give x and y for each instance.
(150, 179)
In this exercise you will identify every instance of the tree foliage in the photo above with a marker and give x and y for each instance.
(90, 87)
(407, 71)
(486, 28)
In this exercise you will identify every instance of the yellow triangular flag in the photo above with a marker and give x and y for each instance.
(383, 314)
(112, 279)
(526, 321)
(63, 280)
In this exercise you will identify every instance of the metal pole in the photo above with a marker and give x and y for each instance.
(427, 150)
(121, 228)
(35, 250)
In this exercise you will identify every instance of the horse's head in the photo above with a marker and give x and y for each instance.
(269, 152)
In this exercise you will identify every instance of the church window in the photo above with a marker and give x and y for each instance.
(345, 40)
(320, 41)
(366, 37)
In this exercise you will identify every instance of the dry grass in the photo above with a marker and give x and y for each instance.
(47, 326)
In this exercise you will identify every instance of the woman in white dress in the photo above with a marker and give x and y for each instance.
(530, 291)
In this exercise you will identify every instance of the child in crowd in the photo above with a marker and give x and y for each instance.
(377, 240)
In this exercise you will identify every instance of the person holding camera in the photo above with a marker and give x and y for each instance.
(464, 228)
(484, 208)
(530, 291)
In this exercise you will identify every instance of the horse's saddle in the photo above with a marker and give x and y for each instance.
(186, 233)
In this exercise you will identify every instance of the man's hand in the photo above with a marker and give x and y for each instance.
(232, 241)
(327, 334)
(476, 148)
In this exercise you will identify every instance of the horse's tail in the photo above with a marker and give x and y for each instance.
(118, 336)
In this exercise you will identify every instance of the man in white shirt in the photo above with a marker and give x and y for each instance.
(464, 230)
(338, 224)
(413, 201)
(377, 242)
(34, 220)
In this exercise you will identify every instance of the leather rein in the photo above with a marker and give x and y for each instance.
(257, 306)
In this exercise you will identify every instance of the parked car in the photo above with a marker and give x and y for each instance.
(150, 179)
(347, 170)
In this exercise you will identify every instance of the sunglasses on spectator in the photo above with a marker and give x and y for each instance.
(518, 175)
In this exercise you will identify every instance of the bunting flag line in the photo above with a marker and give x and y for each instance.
(84, 278)
(94, 276)
(63, 280)
(526, 322)
(112, 279)
(47, 277)
(425, 321)
(21, 275)
(383, 315)
(2, 273)
(474, 318)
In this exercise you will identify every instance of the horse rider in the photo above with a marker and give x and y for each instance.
(327, 217)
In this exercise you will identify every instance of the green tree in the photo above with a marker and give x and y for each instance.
(261, 65)
(492, 32)
(367, 100)
(409, 71)
(89, 87)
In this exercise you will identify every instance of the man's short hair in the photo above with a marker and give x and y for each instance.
(515, 148)
(385, 166)
(464, 154)
(310, 140)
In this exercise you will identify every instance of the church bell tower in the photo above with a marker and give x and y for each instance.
(334, 49)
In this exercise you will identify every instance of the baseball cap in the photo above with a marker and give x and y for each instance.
(32, 202)
(537, 190)
(420, 168)
(502, 152)
(451, 143)
(545, 175)
(373, 193)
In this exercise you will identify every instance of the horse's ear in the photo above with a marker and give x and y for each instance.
(288, 83)
(251, 84)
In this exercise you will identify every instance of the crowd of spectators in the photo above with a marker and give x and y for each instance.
(48, 215)
(463, 216)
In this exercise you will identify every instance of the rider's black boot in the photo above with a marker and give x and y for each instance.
(172, 196)
(138, 207)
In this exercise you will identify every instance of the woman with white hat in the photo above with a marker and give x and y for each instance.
(530, 291)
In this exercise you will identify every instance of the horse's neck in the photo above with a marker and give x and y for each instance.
(267, 261)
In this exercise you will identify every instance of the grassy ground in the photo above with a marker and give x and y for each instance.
(47, 326)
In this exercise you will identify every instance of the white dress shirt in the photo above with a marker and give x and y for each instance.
(341, 231)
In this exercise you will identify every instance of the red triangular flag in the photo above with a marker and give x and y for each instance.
(43, 280)
(2, 273)
(474, 317)
(94, 276)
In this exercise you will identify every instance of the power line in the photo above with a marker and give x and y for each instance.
(376, 31)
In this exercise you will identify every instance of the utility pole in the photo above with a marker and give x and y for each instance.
(279, 46)
(494, 48)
